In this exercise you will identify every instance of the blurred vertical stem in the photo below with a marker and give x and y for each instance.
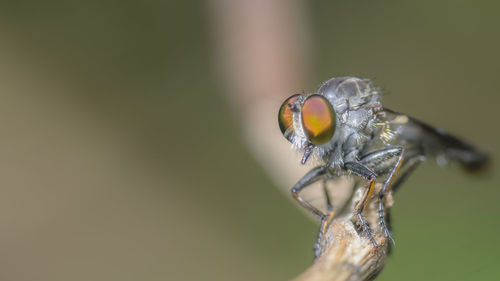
(261, 55)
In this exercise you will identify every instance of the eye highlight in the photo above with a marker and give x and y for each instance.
(285, 115)
(318, 119)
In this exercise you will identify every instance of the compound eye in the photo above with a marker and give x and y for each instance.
(285, 115)
(318, 119)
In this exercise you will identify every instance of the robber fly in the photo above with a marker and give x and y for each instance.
(346, 128)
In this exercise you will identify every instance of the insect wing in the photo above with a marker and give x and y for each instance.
(421, 139)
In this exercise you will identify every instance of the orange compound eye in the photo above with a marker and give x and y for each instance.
(318, 119)
(285, 115)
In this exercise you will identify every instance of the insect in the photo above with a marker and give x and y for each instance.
(346, 128)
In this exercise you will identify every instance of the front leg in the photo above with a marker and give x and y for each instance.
(311, 177)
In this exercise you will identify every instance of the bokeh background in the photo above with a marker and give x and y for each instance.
(138, 140)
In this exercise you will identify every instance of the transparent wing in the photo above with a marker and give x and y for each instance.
(419, 138)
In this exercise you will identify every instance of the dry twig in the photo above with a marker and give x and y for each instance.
(345, 253)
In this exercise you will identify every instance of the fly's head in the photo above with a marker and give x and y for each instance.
(338, 117)
(308, 122)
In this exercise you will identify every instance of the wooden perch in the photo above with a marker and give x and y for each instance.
(345, 253)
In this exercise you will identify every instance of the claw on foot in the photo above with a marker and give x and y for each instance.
(325, 221)
(367, 230)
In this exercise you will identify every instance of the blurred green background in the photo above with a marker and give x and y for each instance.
(120, 158)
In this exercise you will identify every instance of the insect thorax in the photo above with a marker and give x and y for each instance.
(356, 104)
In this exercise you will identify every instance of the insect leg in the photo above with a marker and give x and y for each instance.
(382, 193)
(377, 159)
(311, 177)
(412, 163)
(327, 219)
(366, 173)
(327, 195)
